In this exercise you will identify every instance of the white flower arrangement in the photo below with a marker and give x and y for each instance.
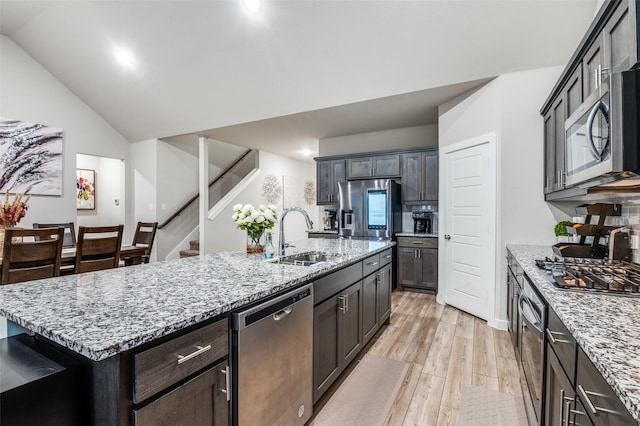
(254, 220)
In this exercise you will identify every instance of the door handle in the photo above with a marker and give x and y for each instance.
(447, 236)
(599, 106)
(282, 314)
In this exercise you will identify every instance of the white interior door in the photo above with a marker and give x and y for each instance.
(467, 237)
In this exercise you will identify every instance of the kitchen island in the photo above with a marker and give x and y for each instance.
(104, 315)
(606, 327)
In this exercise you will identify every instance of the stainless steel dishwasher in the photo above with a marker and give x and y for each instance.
(272, 361)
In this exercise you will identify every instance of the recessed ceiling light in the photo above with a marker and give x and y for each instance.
(124, 57)
(306, 151)
(252, 5)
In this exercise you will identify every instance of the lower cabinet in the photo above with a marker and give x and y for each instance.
(337, 336)
(418, 263)
(349, 311)
(559, 395)
(200, 401)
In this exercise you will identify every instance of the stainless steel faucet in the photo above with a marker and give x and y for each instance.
(281, 243)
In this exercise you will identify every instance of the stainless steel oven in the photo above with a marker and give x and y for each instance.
(533, 318)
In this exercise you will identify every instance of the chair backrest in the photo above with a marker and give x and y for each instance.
(98, 248)
(69, 231)
(35, 258)
(144, 236)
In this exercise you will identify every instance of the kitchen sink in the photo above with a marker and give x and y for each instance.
(304, 259)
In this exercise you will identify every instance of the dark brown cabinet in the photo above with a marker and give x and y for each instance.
(328, 174)
(349, 311)
(201, 401)
(373, 166)
(418, 263)
(337, 336)
(559, 395)
(609, 46)
(602, 405)
(420, 177)
(513, 295)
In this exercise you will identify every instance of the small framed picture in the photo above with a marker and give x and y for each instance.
(85, 189)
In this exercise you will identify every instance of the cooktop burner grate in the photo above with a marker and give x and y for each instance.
(593, 275)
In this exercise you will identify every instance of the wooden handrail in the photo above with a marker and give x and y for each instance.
(197, 195)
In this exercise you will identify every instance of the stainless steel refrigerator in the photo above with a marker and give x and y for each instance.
(369, 209)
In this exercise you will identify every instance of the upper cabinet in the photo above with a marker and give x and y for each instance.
(610, 45)
(415, 169)
(373, 166)
(420, 177)
(329, 173)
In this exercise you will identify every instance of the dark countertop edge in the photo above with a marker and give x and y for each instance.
(100, 354)
(537, 276)
(321, 231)
(415, 235)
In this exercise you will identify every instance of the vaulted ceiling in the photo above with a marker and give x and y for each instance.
(318, 68)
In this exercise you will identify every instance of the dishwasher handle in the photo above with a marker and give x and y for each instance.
(282, 314)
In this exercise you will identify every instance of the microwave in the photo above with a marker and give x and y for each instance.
(602, 135)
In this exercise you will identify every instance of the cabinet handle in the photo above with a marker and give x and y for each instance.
(417, 242)
(567, 411)
(372, 263)
(596, 76)
(226, 383)
(562, 404)
(342, 303)
(346, 300)
(200, 350)
(553, 339)
(388, 256)
(419, 254)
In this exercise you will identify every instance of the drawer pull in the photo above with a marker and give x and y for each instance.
(584, 394)
(417, 242)
(200, 350)
(553, 339)
(388, 256)
(226, 383)
(372, 263)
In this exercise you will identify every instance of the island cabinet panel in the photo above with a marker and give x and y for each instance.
(157, 368)
(370, 313)
(349, 310)
(200, 401)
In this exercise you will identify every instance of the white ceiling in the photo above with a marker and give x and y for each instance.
(298, 71)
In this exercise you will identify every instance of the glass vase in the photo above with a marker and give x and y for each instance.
(254, 241)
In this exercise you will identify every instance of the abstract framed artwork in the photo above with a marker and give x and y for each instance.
(30, 158)
(86, 189)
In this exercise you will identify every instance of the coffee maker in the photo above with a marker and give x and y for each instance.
(422, 222)
(331, 216)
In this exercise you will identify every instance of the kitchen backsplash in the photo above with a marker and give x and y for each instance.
(631, 215)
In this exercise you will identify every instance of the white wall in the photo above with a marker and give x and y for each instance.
(30, 93)
(406, 137)
(145, 170)
(509, 106)
(109, 187)
(222, 234)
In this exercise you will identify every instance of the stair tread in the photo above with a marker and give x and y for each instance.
(189, 253)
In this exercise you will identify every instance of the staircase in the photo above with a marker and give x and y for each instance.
(194, 249)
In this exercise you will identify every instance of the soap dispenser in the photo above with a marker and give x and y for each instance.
(269, 250)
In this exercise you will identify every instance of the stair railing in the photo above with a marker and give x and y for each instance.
(219, 178)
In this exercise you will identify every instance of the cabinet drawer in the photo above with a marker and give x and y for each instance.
(563, 344)
(331, 284)
(416, 242)
(370, 265)
(386, 257)
(164, 365)
(596, 395)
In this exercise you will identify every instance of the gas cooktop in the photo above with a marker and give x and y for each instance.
(593, 275)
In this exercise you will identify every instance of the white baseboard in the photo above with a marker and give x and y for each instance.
(499, 324)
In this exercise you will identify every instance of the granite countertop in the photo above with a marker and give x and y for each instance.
(322, 231)
(101, 314)
(607, 327)
(415, 235)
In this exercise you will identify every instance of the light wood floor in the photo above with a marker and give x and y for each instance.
(446, 349)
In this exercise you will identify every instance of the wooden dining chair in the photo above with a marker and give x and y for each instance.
(31, 254)
(98, 248)
(69, 231)
(144, 236)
